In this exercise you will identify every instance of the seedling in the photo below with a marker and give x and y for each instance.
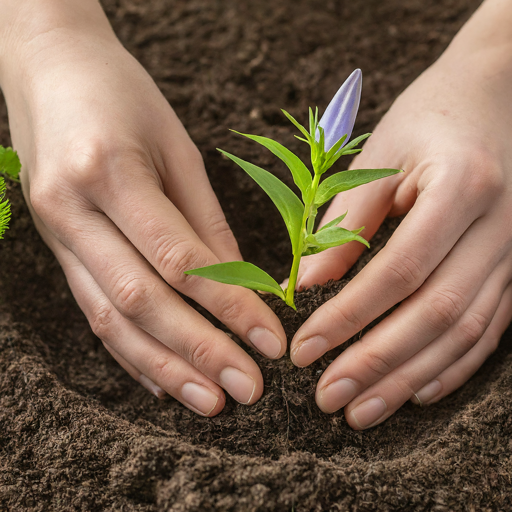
(9, 166)
(328, 140)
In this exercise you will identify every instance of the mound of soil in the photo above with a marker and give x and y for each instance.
(76, 433)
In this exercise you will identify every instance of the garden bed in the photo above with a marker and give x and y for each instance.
(76, 433)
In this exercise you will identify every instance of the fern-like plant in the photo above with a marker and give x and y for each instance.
(10, 167)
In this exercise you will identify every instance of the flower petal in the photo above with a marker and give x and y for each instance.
(340, 114)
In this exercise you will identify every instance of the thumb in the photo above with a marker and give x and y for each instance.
(367, 206)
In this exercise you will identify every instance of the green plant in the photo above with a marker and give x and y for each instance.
(328, 140)
(10, 166)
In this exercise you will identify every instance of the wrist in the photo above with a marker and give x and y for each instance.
(32, 29)
(485, 41)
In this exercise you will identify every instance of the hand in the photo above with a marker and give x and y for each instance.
(449, 261)
(119, 192)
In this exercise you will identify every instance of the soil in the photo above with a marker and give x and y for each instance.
(76, 433)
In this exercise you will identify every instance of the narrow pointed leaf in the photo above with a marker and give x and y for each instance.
(347, 180)
(352, 151)
(240, 273)
(302, 139)
(300, 173)
(353, 143)
(296, 123)
(336, 147)
(289, 205)
(332, 237)
(10, 164)
(311, 122)
(333, 222)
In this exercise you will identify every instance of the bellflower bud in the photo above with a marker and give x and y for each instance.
(340, 115)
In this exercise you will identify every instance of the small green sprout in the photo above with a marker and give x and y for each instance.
(10, 166)
(328, 140)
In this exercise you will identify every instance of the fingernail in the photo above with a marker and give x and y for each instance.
(336, 395)
(429, 392)
(367, 413)
(199, 397)
(309, 350)
(151, 386)
(265, 341)
(238, 384)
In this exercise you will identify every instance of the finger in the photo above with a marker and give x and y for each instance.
(165, 239)
(186, 184)
(148, 361)
(460, 372)
(136, 374)
(397, 271)
(163, 318)
(367, 206)
(388, 394)
(445, 304)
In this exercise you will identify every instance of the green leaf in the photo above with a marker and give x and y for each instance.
(346, 180)
(301, 175)
(297, 124)
(312, 126)
(351, 152)
(5, 210)
(335, 148)
(353, 143)
(334, 222)
(331, 237)
(240, 273)
(9, 163)
(289, 205)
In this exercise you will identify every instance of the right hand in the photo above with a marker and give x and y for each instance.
(119, 193)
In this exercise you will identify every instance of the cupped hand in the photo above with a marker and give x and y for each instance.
(119, 192)
(449, 263)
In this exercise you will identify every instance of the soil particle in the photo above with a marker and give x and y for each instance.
(76, 433)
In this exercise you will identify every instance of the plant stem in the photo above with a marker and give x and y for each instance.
(294, 272)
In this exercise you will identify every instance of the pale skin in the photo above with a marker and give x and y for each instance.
(449, 261)
(107, 174)
(119, 192)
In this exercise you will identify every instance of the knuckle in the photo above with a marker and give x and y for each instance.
(381, 362)
(340, 313)
(102, 321)
(132, 297)
(200, 353)
(486, 178)
(161, 369)
(43, 198)
(472, 327)
(231, 310)
(444, 308)
(405, 271)
(174, 257)
(86, 167)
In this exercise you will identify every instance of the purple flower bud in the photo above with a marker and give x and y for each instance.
(340, 115)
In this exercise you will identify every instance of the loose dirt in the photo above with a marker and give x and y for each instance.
(76, 433)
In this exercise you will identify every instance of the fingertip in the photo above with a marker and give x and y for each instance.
(267, 342)
(243, 387)
(202, 399)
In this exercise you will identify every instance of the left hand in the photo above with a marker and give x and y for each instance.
(450, 260)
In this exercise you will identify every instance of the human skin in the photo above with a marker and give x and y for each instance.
(449, 261)
(119, 193)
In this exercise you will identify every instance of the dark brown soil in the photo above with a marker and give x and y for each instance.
(76, 433)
